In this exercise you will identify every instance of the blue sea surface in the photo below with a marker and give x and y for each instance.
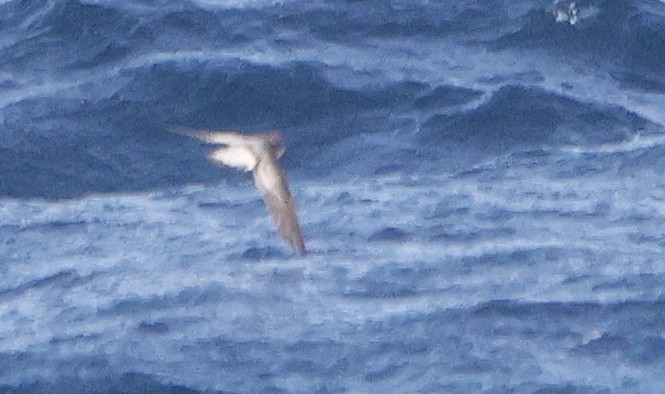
(480, 185)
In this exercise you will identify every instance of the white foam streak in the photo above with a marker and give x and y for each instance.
(31, 90)
(231, 4)
(638, 142)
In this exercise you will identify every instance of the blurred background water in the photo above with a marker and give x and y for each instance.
(480, 185)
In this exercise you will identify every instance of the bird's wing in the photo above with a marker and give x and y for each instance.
(238, 152)
(210, 136)
(234, 156)
(271, 182)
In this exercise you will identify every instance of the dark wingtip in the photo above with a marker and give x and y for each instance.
(300, 247)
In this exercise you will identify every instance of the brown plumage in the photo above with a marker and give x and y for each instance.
(258, 153)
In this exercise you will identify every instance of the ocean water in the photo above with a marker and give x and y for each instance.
(480, 185)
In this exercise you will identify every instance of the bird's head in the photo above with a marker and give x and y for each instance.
(276, 143)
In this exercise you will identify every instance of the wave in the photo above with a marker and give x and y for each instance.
(294, 97)
(521, 116)
(67, 35)
(87, 115)
(626, 34)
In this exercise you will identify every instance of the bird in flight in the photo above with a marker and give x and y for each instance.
(258, 153)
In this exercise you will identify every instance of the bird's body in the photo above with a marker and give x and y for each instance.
(258, 153)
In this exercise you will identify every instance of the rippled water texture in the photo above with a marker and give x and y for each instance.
(479, 183)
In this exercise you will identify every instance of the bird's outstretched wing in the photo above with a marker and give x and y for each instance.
(216, 137)
(271, 182)
(237, 153)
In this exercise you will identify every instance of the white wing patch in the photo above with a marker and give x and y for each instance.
(235, 156)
